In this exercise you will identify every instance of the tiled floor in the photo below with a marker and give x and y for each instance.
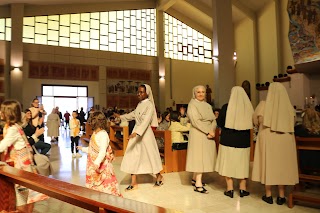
(176, 193)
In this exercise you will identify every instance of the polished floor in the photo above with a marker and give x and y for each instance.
(176, 193)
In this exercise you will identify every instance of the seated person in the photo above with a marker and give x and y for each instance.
(165, 121)
(176, 128)
(34, 133)
(310, 127)
(183, 115)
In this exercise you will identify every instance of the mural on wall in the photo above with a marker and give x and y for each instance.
(57, 71)
(304, 30)
(122, 86)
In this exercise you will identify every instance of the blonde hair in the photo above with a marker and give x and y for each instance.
(11, 112)
(98, 120)
(311, 121)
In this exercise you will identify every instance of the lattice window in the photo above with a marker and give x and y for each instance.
(5, 29)
(184, 43)
(129, 31)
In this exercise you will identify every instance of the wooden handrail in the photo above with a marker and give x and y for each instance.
(76, 195)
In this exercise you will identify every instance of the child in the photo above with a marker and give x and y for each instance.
(74, 134)
(100, 174)
(176, 128)
(16, 147)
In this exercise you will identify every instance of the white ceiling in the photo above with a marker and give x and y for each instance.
(198, 11)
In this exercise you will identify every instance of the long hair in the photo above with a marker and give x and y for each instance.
(311, 121)
(98, 120)
(11, 112)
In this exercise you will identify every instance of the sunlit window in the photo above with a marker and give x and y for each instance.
(184, 43)
(65, 91)
(5, 29)
(129, 31)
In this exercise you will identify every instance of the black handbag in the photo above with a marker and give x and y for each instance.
(179, 146)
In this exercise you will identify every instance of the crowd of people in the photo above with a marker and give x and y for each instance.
(275, 159)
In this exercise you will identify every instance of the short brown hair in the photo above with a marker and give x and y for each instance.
(98, 120)
(11, 112)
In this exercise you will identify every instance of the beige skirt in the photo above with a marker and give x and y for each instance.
(233, 162)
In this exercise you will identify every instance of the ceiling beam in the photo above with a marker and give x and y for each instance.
(165, 4)
(204, 8)
(191, 23)
(243, 8)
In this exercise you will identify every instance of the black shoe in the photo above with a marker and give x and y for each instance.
(281, 200)
(267, 199)
(201, 189)
(193, 182)
(229, 193)
(244, 193)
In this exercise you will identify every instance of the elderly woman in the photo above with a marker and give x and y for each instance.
(275, 157)
(53, 124)
(201, 154)
(235, 120)
(142, 154)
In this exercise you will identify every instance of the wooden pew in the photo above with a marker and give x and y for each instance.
(76, 195)
(119, 146)
(166, 153)
(298, 194)
(87, 134)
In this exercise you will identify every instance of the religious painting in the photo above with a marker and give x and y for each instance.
(124, 83)
(304, 30)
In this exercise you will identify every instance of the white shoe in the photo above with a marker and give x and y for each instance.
(78, 155)
(73, 155)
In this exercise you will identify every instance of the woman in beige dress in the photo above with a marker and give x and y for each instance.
(275, 158)
(201, 154)
(53, 124)
(235, 121)
(142, 153)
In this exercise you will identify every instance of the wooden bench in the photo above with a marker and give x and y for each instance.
(298, 194)
(119, 145)
(73, 194)
(173, 160)
(87, 134)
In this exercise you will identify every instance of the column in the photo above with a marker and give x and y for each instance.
(223, 47)
(16, 54)
(161, 60)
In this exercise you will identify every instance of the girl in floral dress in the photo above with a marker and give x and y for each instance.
(18, 152)
(100, 174)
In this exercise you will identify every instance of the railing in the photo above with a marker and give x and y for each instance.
(76, 195)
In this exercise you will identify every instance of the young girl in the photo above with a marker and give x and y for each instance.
(100, 174)
(176, 128)
(16, 147)
(74, 125)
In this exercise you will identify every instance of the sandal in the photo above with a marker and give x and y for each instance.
(158, 183)
(130, 188)
(193, 182)
(203, 190)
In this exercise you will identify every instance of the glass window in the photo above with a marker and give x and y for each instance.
(113, 31)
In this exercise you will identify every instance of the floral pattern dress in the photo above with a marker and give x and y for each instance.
(102, 179)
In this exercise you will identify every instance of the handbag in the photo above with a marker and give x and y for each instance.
(179, 146)
(42, 162)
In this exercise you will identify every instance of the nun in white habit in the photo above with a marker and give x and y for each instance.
(142, 153)
(235, 120)
(275, 157)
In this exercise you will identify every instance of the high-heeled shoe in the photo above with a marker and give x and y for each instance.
(229, 193)
(267, 199)
(244, 193)
(193, 182)
(281, 200)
